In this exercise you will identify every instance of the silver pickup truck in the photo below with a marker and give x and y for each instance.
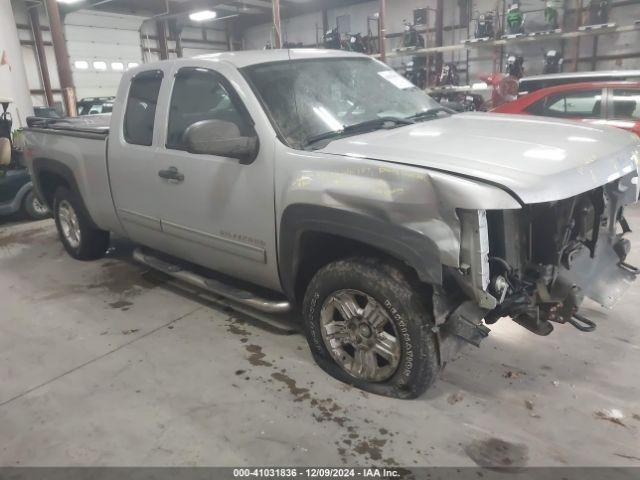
(326, 182)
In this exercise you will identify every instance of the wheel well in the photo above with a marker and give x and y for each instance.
(317, 249)
(49, 183)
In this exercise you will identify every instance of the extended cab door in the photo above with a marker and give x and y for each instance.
(132, 150)
(216, 211)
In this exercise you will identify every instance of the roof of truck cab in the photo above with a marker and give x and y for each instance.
(245, 58)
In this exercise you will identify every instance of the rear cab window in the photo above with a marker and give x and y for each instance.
(139, 117)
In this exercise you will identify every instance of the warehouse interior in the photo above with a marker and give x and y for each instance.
(145, 32)
(118, 363)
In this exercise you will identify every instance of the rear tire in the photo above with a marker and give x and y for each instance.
(34, 208)
(396, 344)
(79, 237)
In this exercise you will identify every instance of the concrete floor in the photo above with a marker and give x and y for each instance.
(105, 364)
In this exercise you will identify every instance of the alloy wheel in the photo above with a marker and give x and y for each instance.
(69, 224)
(361, 337)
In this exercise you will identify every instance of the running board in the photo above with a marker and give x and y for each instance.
(235, 294)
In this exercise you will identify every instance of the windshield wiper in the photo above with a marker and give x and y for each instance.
(431, 113)
(362, 127)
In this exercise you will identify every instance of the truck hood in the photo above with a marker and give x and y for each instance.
(537, 159)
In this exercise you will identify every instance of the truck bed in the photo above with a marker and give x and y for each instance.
(86, 125)
(80, 145)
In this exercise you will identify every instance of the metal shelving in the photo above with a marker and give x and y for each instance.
(528, 38)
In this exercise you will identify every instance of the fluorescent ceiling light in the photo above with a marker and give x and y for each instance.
(203, 15)
(66, 2)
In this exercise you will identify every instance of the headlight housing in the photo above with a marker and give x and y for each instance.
(635, 155)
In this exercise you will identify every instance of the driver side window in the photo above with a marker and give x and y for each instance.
(200, 94)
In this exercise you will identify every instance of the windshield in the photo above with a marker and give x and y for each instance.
(309, 98)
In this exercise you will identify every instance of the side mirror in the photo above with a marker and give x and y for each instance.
(220, 138)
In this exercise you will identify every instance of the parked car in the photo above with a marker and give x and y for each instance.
(536, 82)
(95, 105)
(616, 104)
(46, 112)
(324, 181)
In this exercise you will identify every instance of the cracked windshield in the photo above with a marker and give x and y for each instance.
(310, 100)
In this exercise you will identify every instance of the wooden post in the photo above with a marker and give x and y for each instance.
(325, 21)
(62, 58)
(382, 30)
(41, 54)
(576, 45)
(179, 52)
(277, 23)
(498, 53)
(175, 34)
(439, 34)
(162, 39)
(594, 53)
(228, 32)
(469, 16)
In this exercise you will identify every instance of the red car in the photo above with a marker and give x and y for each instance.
(603, 103)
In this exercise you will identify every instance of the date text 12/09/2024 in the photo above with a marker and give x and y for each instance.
(316, 473)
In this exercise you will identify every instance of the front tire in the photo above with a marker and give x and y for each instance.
(368, 326)
(34, 208)
(80, 238)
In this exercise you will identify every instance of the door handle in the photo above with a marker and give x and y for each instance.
(172, 174)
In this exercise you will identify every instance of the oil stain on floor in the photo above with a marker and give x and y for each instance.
(21, 237)
(494, 452)
(352, 444)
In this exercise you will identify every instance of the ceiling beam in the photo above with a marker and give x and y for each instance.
(175, 9)
(253, 12)
(254, 3)
(227, 5)
(290, 9)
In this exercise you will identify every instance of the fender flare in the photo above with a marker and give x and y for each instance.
(47, 165)
(416, 250)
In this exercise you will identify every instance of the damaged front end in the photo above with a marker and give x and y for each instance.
(537, 264)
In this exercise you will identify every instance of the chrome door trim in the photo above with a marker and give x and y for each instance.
(139, 219)
(218, 242)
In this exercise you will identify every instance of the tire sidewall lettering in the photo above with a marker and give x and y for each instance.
(313, 330)
(406, 368)
(418, 365)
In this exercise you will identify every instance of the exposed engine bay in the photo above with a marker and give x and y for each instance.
(537, 264)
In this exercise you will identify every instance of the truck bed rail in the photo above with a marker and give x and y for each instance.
(91, 126)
